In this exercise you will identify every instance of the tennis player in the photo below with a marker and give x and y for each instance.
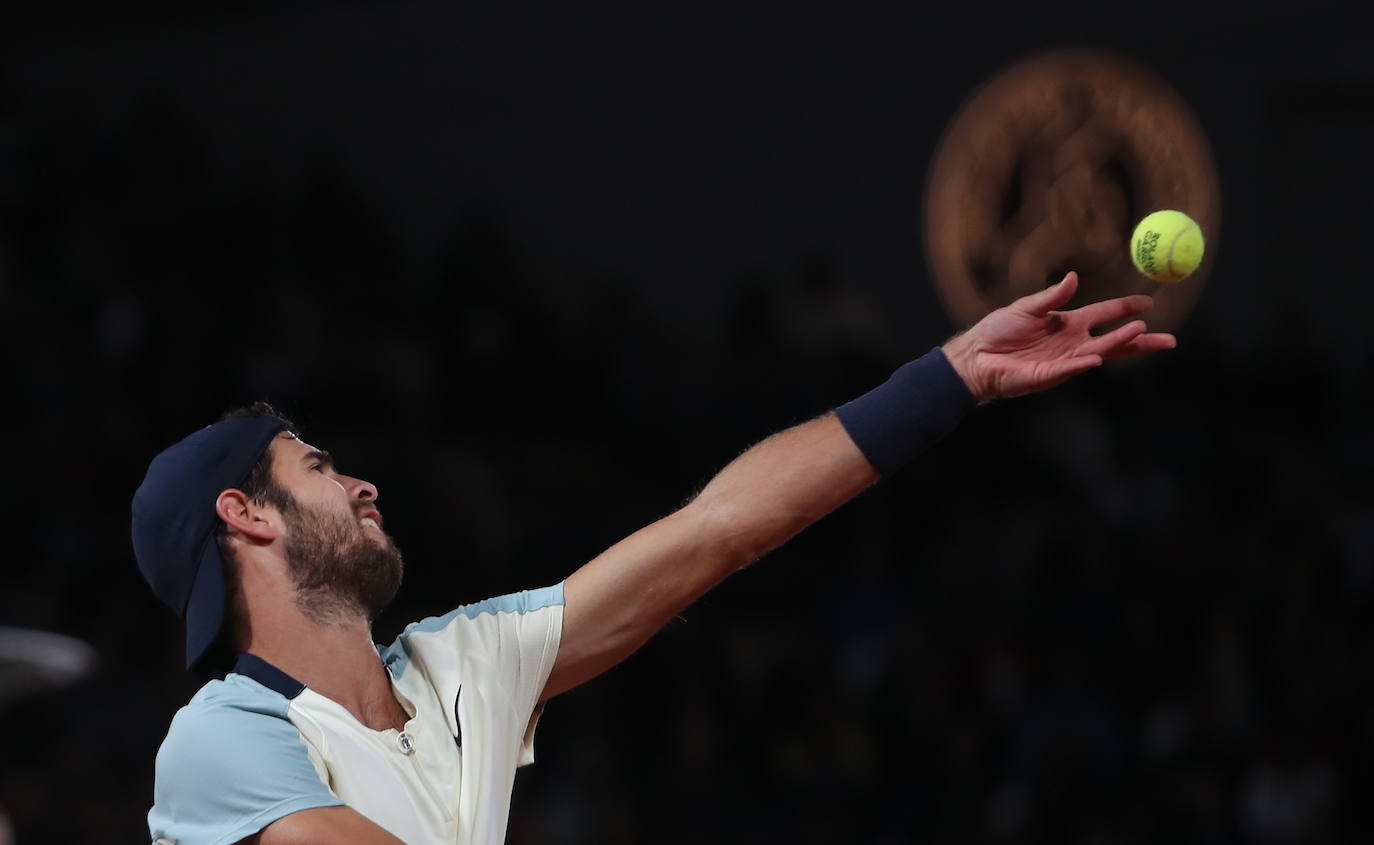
(278, 563)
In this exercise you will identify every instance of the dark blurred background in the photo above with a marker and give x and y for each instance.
(538, 270)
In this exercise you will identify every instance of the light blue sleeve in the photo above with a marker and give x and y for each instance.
(226, 771)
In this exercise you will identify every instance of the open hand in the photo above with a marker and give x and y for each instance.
(1028, 345)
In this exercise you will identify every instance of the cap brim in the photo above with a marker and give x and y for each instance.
(205, 607)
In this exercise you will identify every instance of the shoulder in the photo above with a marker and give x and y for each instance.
(529, 601)
(480, 626)
(491, 610)
(224, 715)
(231, 763)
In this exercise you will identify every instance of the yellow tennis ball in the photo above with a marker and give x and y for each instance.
(1167, 246)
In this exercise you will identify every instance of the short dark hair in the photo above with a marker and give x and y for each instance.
(260, 488)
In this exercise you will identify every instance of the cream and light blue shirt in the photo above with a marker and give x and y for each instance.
(259, 745)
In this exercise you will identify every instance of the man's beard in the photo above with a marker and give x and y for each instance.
(339, 572)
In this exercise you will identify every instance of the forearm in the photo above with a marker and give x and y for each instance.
(792, 479)
(779, 487)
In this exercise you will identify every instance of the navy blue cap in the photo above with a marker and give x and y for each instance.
(174, 520)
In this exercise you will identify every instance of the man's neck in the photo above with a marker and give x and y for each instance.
(336, 660)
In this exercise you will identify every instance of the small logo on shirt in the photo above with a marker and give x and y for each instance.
(457, 718)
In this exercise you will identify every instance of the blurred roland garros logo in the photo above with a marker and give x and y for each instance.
(1048, 167)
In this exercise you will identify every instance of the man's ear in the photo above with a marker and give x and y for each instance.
(240, 514)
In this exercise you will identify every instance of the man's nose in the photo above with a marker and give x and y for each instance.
(362, 490)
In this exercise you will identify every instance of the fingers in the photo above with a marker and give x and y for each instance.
(1130, 339)
(1114, 339)
(1052, 297)
(1155, 342)
(1111, 310)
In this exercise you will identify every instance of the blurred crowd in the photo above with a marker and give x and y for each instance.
(1132, 610)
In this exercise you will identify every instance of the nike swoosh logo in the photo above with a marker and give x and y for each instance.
(457, 719)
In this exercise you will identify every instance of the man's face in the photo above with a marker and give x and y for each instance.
(342, 563)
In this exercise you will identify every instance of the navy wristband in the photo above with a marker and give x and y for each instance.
(922, 402)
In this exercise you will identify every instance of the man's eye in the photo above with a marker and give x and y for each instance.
(316, 466)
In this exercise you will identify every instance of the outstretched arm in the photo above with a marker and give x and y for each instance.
(614, 603)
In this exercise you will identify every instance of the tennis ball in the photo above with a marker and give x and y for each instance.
(1167, 246)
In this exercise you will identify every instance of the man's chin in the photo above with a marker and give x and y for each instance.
(379, 537)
